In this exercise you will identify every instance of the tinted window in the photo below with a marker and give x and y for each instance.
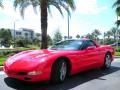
(88, 43)
(68, 45)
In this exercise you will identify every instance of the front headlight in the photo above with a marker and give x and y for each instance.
(34, 73)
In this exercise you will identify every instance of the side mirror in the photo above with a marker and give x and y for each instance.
(91, 48)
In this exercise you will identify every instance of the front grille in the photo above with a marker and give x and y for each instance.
(21, 73)
(27, 79)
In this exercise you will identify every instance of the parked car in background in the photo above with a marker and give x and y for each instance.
(62, 59)
(115, 44)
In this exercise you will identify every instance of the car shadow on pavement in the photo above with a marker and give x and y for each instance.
(69, 83)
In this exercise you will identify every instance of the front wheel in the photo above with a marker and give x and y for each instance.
(107, 62)
(59, 71)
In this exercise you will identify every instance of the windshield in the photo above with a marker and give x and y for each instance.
(67, 45)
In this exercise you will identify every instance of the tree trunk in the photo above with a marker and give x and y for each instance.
(43, 8)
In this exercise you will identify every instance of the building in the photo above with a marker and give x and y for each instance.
(29, 34)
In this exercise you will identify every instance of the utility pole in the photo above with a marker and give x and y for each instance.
(14, 35)
(117, 32)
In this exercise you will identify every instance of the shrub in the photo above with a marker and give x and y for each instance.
(8, 52)
(117, 49)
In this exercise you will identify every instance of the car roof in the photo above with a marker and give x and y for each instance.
(83, 39)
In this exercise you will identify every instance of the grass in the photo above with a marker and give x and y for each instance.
(2, 60)
(5, 53)
(117, 53)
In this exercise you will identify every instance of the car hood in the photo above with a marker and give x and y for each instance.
(27, 59)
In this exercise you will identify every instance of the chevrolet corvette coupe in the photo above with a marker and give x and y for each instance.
(60, 60)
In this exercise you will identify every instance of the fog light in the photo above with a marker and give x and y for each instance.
(34, 73)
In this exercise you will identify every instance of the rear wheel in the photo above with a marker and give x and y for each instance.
(59, 71)
(107, 62)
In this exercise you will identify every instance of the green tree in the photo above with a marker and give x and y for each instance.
(65, 37)
(89, 36)
(22, 42)
(49, 39)
(5, 37)
(108, 34)
(96, 33)
(113, 32)
(83, 36)
(70, 37)
(57, 36)
(44, 6)
(108, 40)
(36, 41)
(77, 36)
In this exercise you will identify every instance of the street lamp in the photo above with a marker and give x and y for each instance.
(68, 16)
(68, 26)
(14, 35)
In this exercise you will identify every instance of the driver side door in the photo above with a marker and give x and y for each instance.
(88, 55)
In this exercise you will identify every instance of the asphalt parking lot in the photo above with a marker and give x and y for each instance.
(91, 80)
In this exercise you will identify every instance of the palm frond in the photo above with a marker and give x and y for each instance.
(49, 10)
(117, 23)
(70, 3)
(17, 3)
(56, 4)
(23, 4)
(22, 8)
(66, 4)
(118, 11)
(66, 7)
(1, 5)
(117, 3)
(35, 3)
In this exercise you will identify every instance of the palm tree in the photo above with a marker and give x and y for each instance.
(65, 37)
(44, 6)
(113, 32)
(89, 36)
(108, 34)
(77, 36)
(117, 6)
(96, 33)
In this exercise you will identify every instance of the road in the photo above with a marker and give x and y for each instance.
(90, 80)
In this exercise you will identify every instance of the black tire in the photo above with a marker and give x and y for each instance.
(59, 71)
(107, 61)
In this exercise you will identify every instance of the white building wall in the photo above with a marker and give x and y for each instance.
(25, 33)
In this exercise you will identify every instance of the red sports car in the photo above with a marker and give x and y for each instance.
(56, 63)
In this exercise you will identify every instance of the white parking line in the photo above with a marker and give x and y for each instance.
(1, 73)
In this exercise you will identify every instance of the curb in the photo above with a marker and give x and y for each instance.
(1, 68)
(116, 56)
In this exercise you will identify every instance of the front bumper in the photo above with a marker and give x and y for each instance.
(21, 75)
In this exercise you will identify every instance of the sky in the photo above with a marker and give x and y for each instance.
(89, 15)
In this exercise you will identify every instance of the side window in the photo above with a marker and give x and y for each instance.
(88, 43)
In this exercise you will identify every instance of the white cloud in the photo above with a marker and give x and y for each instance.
(89, 7)
(32, 20)
(9, 11)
